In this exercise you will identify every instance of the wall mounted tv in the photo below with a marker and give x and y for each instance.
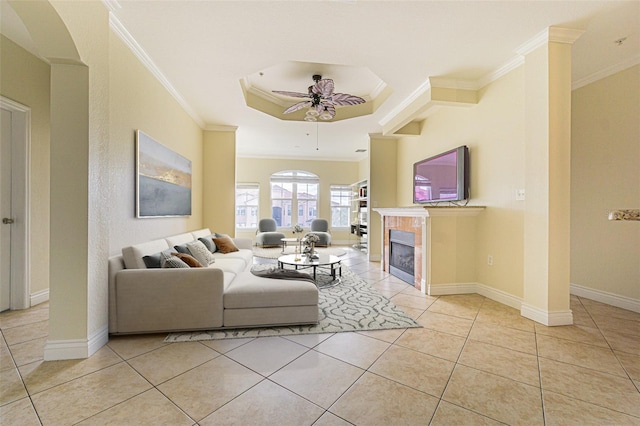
(443, 177)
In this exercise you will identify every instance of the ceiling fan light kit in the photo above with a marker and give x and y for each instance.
(321, 101)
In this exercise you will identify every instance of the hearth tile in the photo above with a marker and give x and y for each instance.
(201, 391)
(41, 375)
(317, 377)
(86, 396)
(562, 410)
(134, 345)
(386, 285)
(12, 388)
(462, 305)
(269, 401)
(595, 387)
(500, 361)
(580, 354)
(417, 370)
(150, 407)
(441, 345)
(445, 323)
(266, 355)
(448, 414)
(28, 352)
(496, 397)
(510, 338)
(19, 412)
(354, 348)
(394, 403)
(171, 360)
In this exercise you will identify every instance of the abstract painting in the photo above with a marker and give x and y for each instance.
(163, 180)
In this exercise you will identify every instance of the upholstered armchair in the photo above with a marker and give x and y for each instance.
(320, 227)
(267, 234)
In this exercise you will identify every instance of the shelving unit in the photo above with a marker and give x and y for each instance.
(360, 214)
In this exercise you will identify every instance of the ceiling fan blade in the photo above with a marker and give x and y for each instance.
(323, 87)
(296, 107)
(328, 107)
(343, 99)
(291, 94)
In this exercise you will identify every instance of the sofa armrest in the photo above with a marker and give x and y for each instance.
(243, 243)
(155, 300)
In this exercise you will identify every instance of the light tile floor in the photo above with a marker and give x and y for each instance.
(475, 361)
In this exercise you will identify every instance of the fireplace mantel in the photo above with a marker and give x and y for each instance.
(430, 211)
(431, 269)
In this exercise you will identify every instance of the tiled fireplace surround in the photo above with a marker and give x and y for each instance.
(418, 220)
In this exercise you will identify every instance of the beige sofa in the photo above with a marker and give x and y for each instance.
(224, 295)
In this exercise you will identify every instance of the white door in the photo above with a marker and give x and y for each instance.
(5, 210)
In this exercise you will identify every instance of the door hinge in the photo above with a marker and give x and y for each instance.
(7, 221)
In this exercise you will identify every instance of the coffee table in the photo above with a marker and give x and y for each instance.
(288, 240)
(324, 261)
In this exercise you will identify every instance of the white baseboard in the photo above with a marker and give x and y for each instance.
(76, 348)
(39, 297)
(449, 289)
(499, 296)
(471, 288)
(605, 297)
(547, 318)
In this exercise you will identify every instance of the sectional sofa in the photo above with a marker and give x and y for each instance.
(224, 294)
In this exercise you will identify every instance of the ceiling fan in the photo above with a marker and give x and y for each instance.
(322, 101)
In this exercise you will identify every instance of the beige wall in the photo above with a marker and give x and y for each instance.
(219, 177)
(259, 170)
(139, 101)
(25, 79)
(494, 132)
(382, 188)
(605, 175)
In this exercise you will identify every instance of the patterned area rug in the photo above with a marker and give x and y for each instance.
(349, 305)
(275, 252)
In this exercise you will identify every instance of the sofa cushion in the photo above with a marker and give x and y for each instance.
(200, 233)
(133, 255)
(245, 255)
(179, 239)
(225, 245)
(249, 291)
(182, 248)
(200, 252)
(230, 265)
(207, 240)
(188, 259)
(169, 261)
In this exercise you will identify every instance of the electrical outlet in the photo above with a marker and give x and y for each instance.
(490, 260)
(519, 194)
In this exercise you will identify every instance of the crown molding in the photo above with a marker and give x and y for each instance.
(550, 34)
(119, 29)
(598, 75)
(500, 72)
(421, 90)
(220, 128)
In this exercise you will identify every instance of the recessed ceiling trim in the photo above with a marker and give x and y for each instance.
(119, 29)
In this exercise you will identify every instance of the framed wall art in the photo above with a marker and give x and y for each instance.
(163, 180)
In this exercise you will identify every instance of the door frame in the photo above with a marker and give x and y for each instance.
(20, 194)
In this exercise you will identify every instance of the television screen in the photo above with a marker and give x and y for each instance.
(444, 177)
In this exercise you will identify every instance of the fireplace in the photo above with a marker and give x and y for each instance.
(401, 255)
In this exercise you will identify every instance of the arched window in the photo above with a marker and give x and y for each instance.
(294, 197)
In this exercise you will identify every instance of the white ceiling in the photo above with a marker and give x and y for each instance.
(204, 49)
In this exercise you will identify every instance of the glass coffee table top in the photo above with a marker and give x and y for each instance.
(323, 261)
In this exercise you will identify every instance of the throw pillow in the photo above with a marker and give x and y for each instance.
(154, 260)
(169, 261)
(201, 253)
(188, 259)
(225, 245)
(208, 242)
(182, 248)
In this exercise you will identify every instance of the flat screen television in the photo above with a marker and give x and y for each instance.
(443, 177)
